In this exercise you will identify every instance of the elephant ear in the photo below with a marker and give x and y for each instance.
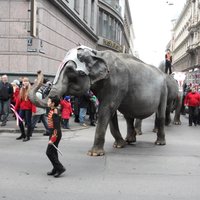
(95, 64)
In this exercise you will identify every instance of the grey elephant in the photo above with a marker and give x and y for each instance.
(175, 96)
(174, 103)
(120, 82)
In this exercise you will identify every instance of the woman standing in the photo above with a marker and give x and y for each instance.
(25, 107)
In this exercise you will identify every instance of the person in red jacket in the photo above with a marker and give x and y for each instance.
(55, 137)
(25, 107)
(192, 100)
(15, 85)
(66, 111)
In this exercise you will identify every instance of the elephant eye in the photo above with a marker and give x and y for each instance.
(71, 65)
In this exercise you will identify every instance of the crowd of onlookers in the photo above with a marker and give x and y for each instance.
(15, 95)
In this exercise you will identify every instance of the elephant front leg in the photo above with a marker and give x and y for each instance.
(97, 149)
(99, 140)
(114, 129)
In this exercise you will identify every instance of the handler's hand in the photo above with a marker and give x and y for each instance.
(50, 142)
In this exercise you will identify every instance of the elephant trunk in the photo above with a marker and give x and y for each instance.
(32, 93)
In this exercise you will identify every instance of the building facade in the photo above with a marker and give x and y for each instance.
(36, 34)
(185, 42)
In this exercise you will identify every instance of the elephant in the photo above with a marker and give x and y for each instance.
(120, 81)
(174, 96)
(174, 102)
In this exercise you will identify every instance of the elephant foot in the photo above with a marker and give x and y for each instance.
(167, 122)
(138, 132)
(160, 142)
(155, 130)
(177, 122)
(96, 152)
(130, 139)
(119, 144)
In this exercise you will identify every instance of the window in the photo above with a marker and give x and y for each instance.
(92, 14)
(100, 23)
(76, 5)
(85, 11)
(105, 25)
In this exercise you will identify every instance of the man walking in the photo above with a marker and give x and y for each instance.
(6, 93)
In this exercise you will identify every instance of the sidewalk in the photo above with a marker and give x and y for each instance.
(11, 126)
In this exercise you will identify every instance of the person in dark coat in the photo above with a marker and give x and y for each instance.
(6, 93)
(84, 102)
(76, 108)
(92, 108)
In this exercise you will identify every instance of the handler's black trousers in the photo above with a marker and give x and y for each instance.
(168, 67)
(52, 154)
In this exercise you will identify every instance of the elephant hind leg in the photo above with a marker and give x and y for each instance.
(160, 134)
(131, 133)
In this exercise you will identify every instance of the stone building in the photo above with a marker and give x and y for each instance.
(185, 42)
(36, 34)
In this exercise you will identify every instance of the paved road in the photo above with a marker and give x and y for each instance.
(141, 171)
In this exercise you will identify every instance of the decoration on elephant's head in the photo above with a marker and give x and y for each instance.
(72, 56)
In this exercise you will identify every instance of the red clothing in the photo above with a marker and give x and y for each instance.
(24, 105)
(192, 99)
(66, 109)
(15, 96)
(54, 125)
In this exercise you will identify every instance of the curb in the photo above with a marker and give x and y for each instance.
(39, 130)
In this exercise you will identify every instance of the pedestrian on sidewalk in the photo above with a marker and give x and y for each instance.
(192, 101)
(66, 111)
(55, 137)
(15, 85)
(39, 115)
(25, 107)
(84, 103)
(6, 93)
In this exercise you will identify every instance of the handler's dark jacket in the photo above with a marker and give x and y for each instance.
(54, 126)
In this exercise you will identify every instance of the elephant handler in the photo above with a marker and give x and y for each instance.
(168, 62)
(54, 138)
(192, 100)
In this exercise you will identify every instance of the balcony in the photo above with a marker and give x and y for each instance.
(191, 49)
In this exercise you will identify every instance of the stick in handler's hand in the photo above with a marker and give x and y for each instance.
(57, 149)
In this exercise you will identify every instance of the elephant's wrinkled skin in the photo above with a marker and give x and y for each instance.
(121, 82)
(174, 102)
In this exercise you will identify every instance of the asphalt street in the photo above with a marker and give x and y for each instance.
(141, 171)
